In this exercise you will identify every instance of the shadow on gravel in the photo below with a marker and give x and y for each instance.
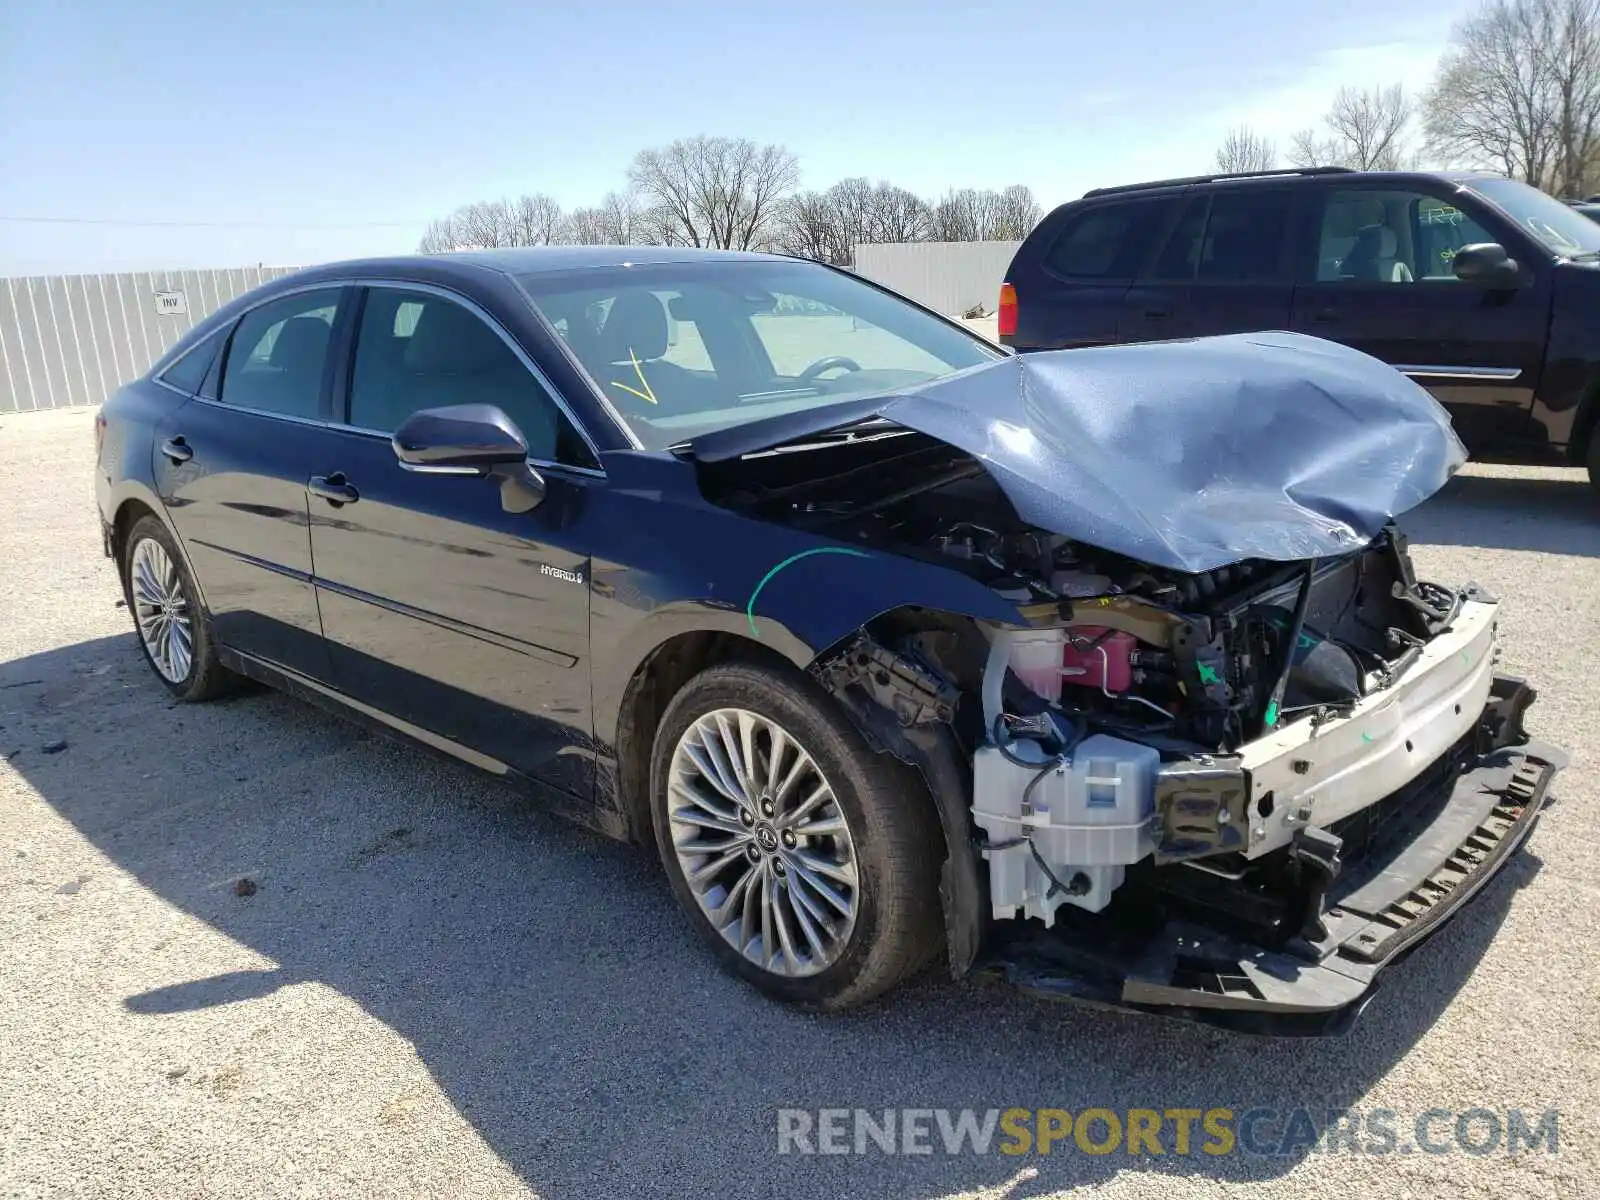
(558, 999)
(1504, 512)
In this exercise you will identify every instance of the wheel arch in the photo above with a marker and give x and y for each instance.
(659, 677)
(932, 749)
(127, 509)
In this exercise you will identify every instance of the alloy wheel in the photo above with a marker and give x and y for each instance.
(161, 610)
(762, 842)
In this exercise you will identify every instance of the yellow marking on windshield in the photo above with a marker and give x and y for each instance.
(638, 370)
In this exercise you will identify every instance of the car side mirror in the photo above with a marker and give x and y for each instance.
(471, 439)
(1486, 264)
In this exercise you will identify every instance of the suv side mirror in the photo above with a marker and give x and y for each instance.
(471, 439)
(1486, 264)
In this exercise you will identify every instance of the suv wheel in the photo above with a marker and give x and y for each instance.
(807, 862)
(174, 629)
(1594, 458)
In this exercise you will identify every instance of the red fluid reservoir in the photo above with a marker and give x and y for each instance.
(1105, 665)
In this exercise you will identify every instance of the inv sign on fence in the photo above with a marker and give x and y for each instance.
(171, 304)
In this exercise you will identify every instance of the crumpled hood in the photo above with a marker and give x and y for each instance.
(1190, 455)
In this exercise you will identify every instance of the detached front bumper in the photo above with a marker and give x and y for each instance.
(1443, 837)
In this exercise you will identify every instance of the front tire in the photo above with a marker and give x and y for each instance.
(173, 627)
(805, 861)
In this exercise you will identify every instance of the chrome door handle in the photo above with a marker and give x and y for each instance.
(178, 450)
(335, 489)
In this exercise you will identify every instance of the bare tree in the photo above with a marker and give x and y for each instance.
(964, 215)
(534, 220)
(585, 227)
(1371, 126)
(1015, 214)
(903, 216)
(622, 221)
(486, 224)
(808, 227)
(1246, 150)
(715, 191)
(1308, 148)
(828, 226)
(1519, 91)
(1365, 131)
(439, 238)
(974, 215)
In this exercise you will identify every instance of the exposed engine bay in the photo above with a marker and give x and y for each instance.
(1154, 751)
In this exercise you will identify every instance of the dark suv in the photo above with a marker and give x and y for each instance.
(1483, 289)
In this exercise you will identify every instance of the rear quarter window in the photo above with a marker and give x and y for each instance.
(189, 373)
(1108, 241)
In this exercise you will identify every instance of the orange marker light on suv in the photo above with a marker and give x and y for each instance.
(1007, 323)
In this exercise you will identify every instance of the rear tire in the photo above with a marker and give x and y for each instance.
(1594, 458)
(812, 873)
(173, 627)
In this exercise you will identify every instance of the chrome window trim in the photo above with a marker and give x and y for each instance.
(314, 422)
(523, 356)
(1500, 374)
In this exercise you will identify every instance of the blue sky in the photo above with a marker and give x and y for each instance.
(337, 129)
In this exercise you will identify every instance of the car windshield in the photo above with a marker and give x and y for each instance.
(1562, 229)
(681, 349)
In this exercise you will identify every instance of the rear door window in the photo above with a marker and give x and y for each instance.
(1244, 237)
(1108, 241)
(1180, 254)
(279, 353)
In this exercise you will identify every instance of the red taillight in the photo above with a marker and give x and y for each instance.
(1007, 324)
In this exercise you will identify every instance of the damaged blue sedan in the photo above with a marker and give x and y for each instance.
(1106, 671)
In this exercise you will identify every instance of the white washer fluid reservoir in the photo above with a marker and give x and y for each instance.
(1088, 818)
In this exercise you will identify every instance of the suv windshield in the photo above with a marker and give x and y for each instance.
(680, 349)
(1562, 229)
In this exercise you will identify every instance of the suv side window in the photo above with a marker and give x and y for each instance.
(1227, 237)
(418, 350)
(1244, 236)
(278, 353)
(1181, 255)
(1105, 242)
(1391, 235)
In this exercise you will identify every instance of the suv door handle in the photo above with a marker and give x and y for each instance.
(178, 450)
(1325, 316)
(335, 489)
(1157, 314)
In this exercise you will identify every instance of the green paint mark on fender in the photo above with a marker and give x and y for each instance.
(1208, 674)
(1272, 713)
(750, 606)
(1367, 737)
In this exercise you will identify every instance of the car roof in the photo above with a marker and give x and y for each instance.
(537, 260)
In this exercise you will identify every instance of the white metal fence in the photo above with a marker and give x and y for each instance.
(75, 339)
(948, 277)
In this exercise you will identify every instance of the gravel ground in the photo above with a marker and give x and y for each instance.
(437, 991)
